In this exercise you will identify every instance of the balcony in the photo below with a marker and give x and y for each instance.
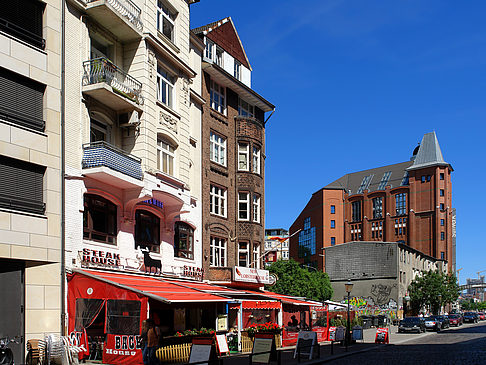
(111, 165)
(121, 17)
(107, 83)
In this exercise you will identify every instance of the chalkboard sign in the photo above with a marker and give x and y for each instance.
(222, 344)
(340, 333)
(306, 343)
(264, 345)
(201, 350)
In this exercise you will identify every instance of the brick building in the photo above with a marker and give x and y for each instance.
(408, 202)
(233, 155)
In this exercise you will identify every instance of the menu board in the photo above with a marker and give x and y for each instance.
(306, 342)
(199, 353)
(222, 344)
(262, 345)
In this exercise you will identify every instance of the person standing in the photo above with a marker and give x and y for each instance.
(150, 341)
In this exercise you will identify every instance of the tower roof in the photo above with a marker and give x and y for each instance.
(429, 153)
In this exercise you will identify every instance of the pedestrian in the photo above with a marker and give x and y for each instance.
(149, 341)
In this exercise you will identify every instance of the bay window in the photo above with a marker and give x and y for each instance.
(244, 206)
(256, 160)
(243, 151)
(256, 208)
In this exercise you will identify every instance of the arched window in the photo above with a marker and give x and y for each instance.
(183, 241)
(99, 219)
(147, 231)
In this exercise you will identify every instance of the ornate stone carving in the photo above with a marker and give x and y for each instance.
(185, 91)
(151, 61)
(168, 121)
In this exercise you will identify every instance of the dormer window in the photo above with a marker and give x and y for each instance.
(209, 49)
(165, 21)
(219, 57)
(237, 71)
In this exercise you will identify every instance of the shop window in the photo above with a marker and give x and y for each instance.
(123, 317)
(147, 231)
(319, 319)
(99, 219)
(184, 241)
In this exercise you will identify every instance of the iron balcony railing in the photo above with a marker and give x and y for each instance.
(97, 154)
(126, 9)
(103, 70)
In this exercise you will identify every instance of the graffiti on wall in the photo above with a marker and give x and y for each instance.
(378, 303)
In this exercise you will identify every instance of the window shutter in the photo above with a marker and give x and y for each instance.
(21, 185)
(21, 100)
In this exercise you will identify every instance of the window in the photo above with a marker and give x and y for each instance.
(442, 221)
(21, 186)
(209, 49)
(256, 160)
(99, 132)
(365, 183)
(442, 236)
(441, 175)
(442, 206)
(217, 201)
(333, 209)
(21, 99)
(217, 149)
(333, 224)
(245, 109)
(219, 57)
(333, 241)
(378, 207)
(401, 204)
(243, 206)
(243, 254)
(384, 180)
(237, 70)
(256, 208)
(165, 87)
(256, 255)
(99, 219)
(183, 241)
(442, 255)
(165, 157)
(165, 21)
(147, 231)
(218, 252)
(405, 179)
(23, 19)
(428, 177)
(441, 192)
(217, 97)
(123, 317)
(423, 178)
(243, 151)
(307, 240)
(356, 208)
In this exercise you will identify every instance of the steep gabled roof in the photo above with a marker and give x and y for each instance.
(224, 34)
(429, 153)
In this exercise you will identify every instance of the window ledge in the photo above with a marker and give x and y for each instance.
(21, 212)
(215, 114)
(99, 244)
(168, 109)
(168, 42)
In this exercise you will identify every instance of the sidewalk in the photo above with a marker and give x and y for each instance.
(338, 351)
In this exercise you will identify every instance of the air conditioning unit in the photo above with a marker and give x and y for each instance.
(129, 119)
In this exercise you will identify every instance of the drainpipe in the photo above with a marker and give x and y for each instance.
(63, 162)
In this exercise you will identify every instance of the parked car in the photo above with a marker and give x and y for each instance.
(455, 320)
(412, 324)
(471, 317)
(482, 316)
(433, 324)
(445, 321)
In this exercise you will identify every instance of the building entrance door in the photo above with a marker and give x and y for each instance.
(12, 288)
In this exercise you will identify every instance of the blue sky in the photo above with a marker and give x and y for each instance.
(356, 85)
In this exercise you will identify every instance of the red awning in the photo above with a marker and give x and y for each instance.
(168, 291)
(250, 304)
(286, 299)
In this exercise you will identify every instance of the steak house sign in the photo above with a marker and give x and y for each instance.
(101, 257)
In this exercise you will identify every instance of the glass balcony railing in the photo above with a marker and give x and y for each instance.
(99, 154)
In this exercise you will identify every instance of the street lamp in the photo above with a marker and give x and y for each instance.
(348, 287)
(440, 303)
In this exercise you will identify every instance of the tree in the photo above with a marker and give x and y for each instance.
(297, 281)
(433, 289)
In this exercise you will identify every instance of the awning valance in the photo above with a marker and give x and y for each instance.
(249, 304)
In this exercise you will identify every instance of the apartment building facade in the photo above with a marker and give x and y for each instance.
(233, 157)
(408, 202)
(30, 170)
(276, 245)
